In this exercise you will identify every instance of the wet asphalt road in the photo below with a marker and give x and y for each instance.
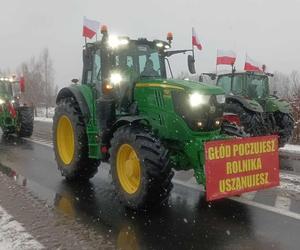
(188, 222)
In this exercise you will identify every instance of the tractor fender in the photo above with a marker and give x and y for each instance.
(73, 91)
(276, 104)
(251, 105)
(128, 120)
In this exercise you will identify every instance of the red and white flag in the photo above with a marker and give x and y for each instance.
(251, 65)
(195, 40)
(226, 57)
(90, 27)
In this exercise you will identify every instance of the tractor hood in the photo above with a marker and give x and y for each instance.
(190, 86)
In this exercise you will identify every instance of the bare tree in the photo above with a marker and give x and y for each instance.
(39, 78)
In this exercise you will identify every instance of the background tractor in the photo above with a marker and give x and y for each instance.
(248, 96)
(15, 117)
(127, 112)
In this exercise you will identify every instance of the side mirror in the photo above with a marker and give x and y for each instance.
(191, 64)
(22, 84)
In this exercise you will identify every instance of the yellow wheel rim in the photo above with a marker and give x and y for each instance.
(65, 139)
(128, 169)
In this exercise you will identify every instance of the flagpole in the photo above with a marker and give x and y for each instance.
(217, 64)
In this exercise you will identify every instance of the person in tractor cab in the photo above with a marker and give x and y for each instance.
(149, 70)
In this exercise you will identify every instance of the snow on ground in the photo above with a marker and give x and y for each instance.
(290, 182)
(13, 235)
(43, 119)
(42, 112)
(291, 148)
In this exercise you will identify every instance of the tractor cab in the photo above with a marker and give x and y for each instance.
(248, 84)
(114, 64)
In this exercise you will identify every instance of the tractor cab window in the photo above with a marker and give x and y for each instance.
(149, 65)
(238, 84)
(6, 88)
(97, 67)
(257, 86)
(225, 83)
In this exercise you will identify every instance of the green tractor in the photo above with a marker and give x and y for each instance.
(259, 112)
(15, 117)
(128, 113)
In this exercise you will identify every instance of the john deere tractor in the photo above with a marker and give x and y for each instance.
(248, 96)
(127, 112)
(15, 117)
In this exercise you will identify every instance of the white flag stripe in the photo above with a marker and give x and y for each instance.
(14, 236)
(91, 24)
(229, 53)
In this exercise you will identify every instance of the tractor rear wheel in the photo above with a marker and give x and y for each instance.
(141, 169)
(25, 121)
(71, 143)
(286, 127)
(251, 121)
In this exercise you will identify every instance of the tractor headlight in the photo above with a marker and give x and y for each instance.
(115, 78)
(220, 99)
(196, 99)
(2, 101)
(114, 41)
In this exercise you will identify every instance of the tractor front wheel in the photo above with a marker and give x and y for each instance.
(70, 142)
(141, 168)
(252, 122)
(25, 121)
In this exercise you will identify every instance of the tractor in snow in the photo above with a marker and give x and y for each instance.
(15, 116)
(259, 112)
(128, 112)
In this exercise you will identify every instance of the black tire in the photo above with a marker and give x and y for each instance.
(285, 124)
(25, 121)
(156, 172)
(252, 122)
(81, 168)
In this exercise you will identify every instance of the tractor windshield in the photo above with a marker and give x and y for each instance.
(253, 86)
(257, 86)
(140, 61)
(6, 89)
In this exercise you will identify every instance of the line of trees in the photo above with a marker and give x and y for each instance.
(39, 78)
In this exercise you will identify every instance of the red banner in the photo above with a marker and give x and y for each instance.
(241, 165)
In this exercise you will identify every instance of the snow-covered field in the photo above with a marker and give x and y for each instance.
(43, 116)
(42, 112)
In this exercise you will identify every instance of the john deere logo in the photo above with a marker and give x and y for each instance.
(212, 109)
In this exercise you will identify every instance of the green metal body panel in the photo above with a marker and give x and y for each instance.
(252, 105)
(155, 102)
(274, 104)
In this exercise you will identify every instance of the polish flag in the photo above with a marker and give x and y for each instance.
(251, 65)
(90, 27)
(195, 40)
(226, 57)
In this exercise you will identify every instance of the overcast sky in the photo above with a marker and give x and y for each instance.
(268, 30)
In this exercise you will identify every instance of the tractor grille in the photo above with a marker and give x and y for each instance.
(204, 118)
